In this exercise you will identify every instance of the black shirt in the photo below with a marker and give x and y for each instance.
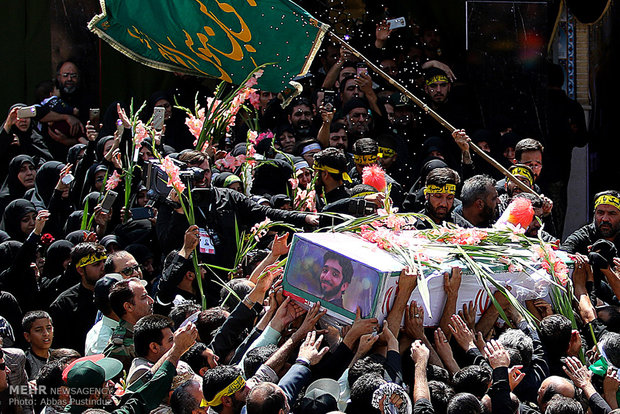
(579, 241)
(73, 313)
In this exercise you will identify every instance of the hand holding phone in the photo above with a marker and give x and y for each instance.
(158, 117)
(27, 112)
(108, 201)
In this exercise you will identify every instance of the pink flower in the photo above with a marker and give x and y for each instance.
(515, 268)
(311, 201)
(141, 133)
(255, 100)
(113, 181)
(214, 102)
(264, 135)
(260, 229)
(195, 125)
(394, 222)
(259, 73)
(251, 82)
(174, 179)
(294, 183)
(251, 153)
(228, 162)
(252, 135)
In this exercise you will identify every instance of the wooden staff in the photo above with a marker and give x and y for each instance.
(434, 114)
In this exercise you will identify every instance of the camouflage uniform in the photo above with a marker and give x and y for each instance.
(121, 345)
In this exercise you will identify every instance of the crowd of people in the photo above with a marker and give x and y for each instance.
(100, 302)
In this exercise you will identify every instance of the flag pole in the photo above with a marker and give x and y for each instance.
(428, 110)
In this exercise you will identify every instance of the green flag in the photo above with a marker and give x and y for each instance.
(225, 40)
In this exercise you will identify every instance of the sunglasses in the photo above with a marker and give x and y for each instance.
(129, 270)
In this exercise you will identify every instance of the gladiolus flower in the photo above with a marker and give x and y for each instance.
(141, 134)
(112, 181)
(294, 183)
(195, 125)
(252, 135)
(264, 135)
(174, 179)
(255, 100)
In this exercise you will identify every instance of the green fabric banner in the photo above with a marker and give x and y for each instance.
(225, 40)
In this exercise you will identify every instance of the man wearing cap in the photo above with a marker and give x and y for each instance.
(87, 379)
(439, 193)
(74, 310)
(98, 336)
(331, 168)
(606, 224)
(130, 301)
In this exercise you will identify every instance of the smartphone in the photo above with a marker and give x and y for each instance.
(158, 117)
(140, 213)
(396, 23)
(108, 200)
(329, 97)
(362, 68)
(68, 179)
(27, 112)
(93, 116)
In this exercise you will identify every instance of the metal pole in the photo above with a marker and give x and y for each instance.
(428, 110)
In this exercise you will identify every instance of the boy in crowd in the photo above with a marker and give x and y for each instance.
(39, 333)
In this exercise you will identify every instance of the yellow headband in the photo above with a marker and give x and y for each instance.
(435, 189)
(386, 152)
(437, 78)
(90, 259)
(364, 194)
(325, 168)
(236, 385)
(523, 172)
(365, 159)
(609, 200)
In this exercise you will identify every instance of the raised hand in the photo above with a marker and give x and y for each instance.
(463, 335)
(414, 321)
(360, 327)
(311, 348)
(497, 354)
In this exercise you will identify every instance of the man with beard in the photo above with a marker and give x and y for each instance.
(366, 154)
(606, 224)
(335, 277)
(300, 117)
(68, 78)
(522, 173)
(358, 117)
(439, 193)
(74, 310)
(479, 198)
(441, 98)
(338, 137)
